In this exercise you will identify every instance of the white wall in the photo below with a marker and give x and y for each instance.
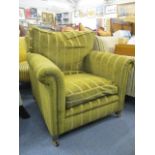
(124, 1)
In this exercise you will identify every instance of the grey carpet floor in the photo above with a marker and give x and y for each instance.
(108, 136)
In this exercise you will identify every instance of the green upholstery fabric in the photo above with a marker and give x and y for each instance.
(48, 89)
(50, 86)
(79, 119)
(66, 49)
(83, 87)
(99, 102)
(110, 66)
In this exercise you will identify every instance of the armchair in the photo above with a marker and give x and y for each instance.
(74, 85)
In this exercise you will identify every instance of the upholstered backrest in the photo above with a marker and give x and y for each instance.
(66, 49)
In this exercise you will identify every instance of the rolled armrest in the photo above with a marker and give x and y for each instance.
(110, 66)
(43, 67)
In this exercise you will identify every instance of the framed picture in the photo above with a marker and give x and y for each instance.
(111, 9)
(48, 18)
(21, 13)
(27, 13)
(126, 9)
(33, 12)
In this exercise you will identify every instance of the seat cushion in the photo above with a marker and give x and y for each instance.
(83, 87)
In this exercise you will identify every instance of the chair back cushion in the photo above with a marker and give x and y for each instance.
(66, 49)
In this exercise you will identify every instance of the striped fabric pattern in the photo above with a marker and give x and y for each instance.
(98, 44)
(24, 71)
(47, 82)
(83, 87)
(49, 88)
(91, 105)
(79, 119)
(66, 119)
(112, 67)
(66, 49)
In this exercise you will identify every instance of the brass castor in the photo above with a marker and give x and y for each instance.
(118, 114)
(55, 141)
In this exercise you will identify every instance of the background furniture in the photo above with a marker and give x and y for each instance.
(120, 24)
(125, 49)
(23, 65)
(72, 84)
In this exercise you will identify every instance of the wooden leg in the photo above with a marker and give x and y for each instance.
(55, 141)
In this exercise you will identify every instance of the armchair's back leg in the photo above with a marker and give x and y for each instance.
(118, 114)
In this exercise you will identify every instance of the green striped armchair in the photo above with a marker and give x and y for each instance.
(72, 84)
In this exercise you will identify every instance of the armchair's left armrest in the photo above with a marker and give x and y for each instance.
(43, 68)
(48, 80)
